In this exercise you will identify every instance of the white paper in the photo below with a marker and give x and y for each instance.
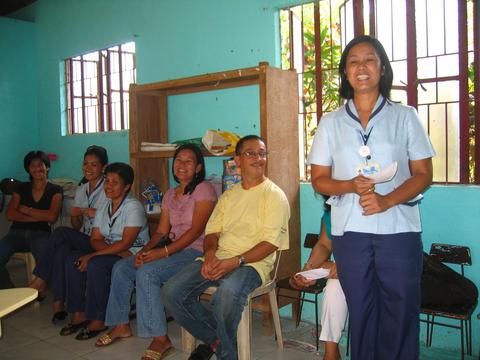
(315, 274)
(386, 174)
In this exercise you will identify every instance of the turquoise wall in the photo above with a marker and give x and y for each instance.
(177, 38)
(18, 96)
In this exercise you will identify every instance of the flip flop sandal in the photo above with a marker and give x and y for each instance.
(106, 339)
(86, 333)
(73, 328)
(155, 355)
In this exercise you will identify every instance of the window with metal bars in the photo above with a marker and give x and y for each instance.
(433, 46)
(96, 88)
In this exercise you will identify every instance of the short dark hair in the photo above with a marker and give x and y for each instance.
(200, 176)
(33, 155)
(239, 147)
(99, 151)
(123, 170)
(346, 90)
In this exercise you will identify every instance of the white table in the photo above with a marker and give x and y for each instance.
(12, 299)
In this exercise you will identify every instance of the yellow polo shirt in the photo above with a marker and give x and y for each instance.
(244, 218)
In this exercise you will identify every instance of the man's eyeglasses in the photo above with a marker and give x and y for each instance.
(253, 154)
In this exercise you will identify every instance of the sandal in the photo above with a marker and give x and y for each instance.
(107, 339)
(73, 328)
(155, 355)
(86, 333)
(59, 316)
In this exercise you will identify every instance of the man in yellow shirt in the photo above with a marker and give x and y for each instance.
(248, 225)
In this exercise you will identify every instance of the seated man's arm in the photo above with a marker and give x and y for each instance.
(257, 253)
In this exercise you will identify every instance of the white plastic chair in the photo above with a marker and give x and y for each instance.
(245, 326)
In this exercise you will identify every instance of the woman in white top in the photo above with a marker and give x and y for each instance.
(119, 230)
(89, 196)
(375, 226)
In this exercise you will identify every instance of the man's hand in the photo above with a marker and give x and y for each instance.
(137, 261)
(209, 263)
(151, 255)
(89, 212)
(223, 267)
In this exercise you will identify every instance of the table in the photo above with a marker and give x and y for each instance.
(12, 299)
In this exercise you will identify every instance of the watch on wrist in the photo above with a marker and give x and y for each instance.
(241, 261)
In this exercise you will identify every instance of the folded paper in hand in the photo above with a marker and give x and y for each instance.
(386, 174)
(315, 274)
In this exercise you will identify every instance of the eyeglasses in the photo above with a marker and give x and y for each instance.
(253, 154)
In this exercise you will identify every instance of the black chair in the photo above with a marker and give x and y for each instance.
(459, 255)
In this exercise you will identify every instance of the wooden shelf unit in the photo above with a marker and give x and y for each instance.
(278, 126)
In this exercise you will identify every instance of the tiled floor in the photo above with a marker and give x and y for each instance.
(28, 334)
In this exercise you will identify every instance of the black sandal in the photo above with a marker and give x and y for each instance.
(86, 333)
(73, 328)
(202, 352)
(59, 316)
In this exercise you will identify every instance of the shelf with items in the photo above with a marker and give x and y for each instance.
(278, 107)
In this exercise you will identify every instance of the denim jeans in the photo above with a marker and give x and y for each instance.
(181, 297)
(148, 279)
(20, 240)
(51, 267)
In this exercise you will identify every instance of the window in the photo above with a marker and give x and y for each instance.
(435, 63)
(96, 89)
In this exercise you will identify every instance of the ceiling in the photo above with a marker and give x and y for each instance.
(7, 7)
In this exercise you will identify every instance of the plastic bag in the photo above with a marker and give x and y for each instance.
(220, 143)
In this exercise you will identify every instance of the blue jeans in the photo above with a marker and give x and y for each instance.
(181, 297)
(20, 240)
(380, 275)
(51, 267)
(148, 278)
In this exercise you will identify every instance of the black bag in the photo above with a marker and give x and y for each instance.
(7, 187)
(443, 289)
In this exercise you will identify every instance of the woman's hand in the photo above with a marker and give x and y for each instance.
(363, 185)
(332, 267)
(373, 203)
(299, 282)
(25, 210)
(75, 211)
(82, 262)
(89, 212)
(137, 260)
(151, 255)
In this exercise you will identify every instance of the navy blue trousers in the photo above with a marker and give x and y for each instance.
(380, 275)
(88, 291)
(51, 267)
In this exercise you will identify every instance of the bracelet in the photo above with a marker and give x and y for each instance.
(166, 250)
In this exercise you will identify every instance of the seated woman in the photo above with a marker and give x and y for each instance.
(119, 230)
(334, 306)
(33, 207)
(185, 212)
(88, 197)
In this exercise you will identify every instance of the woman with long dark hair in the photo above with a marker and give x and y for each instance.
(177, 241)
(375, 226)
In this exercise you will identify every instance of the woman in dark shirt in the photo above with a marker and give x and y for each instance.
(34, 206)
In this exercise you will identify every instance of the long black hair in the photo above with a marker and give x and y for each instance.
(385, 85)
(199, 176)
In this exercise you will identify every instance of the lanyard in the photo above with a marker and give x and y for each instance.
(111, 221)
(93, 194)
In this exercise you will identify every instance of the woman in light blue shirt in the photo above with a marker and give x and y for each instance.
(88, 197)
(375, 226)
(119, 230)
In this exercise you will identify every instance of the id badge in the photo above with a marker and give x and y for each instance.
(368, 169)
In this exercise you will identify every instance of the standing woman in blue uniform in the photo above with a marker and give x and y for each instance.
(65, 240)
(119, 230)
(34, 206)
(375, 227)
